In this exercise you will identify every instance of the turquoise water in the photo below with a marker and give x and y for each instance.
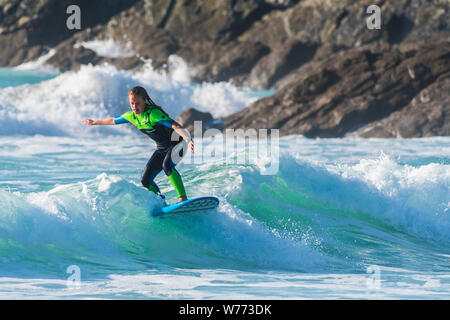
(338, 219)
(10, 78)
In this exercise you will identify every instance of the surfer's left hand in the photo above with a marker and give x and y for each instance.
(191, 146)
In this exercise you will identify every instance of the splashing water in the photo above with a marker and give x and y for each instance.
(335, 210)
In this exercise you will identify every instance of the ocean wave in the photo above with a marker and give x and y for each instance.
(306, 217)
(106, 221)
(380, 192)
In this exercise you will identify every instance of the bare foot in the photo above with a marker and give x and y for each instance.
(181, 199)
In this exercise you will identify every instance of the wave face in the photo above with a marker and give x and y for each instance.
(106, 222)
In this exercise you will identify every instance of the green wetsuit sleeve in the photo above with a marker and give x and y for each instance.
(157, 116)
(129, 116)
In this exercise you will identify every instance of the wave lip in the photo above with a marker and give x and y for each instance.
(417, 198)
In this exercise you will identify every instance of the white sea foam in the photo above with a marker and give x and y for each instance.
(205, 284)
(40, 64)
(419, 195)
(179, 69)
(220, 99)
(108, 48)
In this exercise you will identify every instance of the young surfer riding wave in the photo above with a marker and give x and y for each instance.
(169, 136)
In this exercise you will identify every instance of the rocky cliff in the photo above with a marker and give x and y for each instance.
(28, 28)
(334, 76)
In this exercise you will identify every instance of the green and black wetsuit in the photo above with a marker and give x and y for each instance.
(158, 126)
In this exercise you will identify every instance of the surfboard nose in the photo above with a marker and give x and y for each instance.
(190, 205)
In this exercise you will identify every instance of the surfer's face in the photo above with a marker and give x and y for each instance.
(137, 103)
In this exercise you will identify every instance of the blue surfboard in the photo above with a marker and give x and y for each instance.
(190, 205)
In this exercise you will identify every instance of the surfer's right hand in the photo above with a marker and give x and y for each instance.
(191, 145)
(89, 122)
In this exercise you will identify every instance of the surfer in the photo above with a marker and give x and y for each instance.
(170, 138)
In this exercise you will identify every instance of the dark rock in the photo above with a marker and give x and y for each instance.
(281, 60)
(188, 116)
(333, 75)
(39, 24)
(223, 40)
(428, 114)
(222, 62)
(68, 57)
(137, 27)
(213, 20)
(347, 90)
(343, 23)
(146, 41)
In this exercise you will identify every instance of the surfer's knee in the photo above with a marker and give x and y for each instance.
(145, 182)
(168, 171)
(167, 167)
(150, 185)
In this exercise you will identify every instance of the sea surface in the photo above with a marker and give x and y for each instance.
(331, 218)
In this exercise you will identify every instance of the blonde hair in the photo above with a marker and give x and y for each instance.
(141, 92)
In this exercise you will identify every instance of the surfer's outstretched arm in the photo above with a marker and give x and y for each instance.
(102, 122)
(178, 128)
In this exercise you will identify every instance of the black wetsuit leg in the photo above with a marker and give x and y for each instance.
(151, 170)
(162, 160)
(168, 163)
